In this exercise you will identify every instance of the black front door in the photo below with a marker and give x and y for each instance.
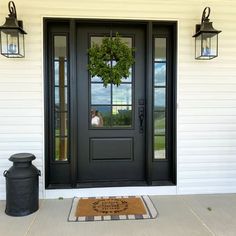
(109, 136)
(111, 130)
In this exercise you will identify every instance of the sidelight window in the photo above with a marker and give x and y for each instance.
(160, 86)
(60, 85)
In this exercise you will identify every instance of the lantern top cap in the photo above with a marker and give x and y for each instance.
(205, 26)
(11, 22)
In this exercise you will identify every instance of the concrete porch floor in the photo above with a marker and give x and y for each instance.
(178, 215)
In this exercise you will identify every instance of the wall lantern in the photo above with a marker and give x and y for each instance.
(206, 38)
(12, 35)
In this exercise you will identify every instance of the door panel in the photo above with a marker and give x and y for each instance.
(113, 150)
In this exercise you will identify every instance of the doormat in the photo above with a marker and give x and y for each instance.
(112, 208)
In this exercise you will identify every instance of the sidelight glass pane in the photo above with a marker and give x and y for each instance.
(61, 125)
(57, 65)
(160, 74)
(160, 49)
(100, 116)
(159, 123)
(60, 46)
(61, 148)
(122, 94)
(61, 98)
(122, 116)
(160, 98)
(100, 94)
(159, 147)
(56, 73)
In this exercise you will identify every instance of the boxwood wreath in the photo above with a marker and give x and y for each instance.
(111, 60)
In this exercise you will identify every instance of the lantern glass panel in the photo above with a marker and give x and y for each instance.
(21, 45)
(206, 46)
(3, 42)
(12, 43)
(209, 45)
(198, 47)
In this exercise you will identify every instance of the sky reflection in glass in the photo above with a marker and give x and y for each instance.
(122, 94)
(100, 94)
(160, 74)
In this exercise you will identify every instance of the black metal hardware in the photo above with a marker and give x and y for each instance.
(141, 102)
(141, 119)
(206, 38)
(12, 35)
(12, 9)
(206, 13)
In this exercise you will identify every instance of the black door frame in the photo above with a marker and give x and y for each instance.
(71, 165)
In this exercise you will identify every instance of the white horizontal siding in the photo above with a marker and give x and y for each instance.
(206, 90)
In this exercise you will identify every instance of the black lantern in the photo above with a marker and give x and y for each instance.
(206, 38)
(12, 35)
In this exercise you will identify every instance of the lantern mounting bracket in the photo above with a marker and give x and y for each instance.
(12, 9)
(206, 13)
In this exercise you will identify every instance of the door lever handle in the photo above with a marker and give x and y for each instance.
(141, 119)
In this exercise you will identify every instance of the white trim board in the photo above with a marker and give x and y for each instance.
(112, 191)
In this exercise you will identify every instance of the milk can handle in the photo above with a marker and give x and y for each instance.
(5, 173)
(39, 172)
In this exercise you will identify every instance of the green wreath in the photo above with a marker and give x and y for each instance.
(111, 60)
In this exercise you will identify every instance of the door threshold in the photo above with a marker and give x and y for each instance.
(105, 184)
(110, 191)
(89, 184)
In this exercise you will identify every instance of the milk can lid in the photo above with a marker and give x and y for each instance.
(22, 157)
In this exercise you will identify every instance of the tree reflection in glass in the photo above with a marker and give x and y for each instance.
(122, 116)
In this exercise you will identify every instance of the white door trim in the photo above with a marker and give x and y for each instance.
(111, 191)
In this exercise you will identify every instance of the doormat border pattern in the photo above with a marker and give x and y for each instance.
(152, 213)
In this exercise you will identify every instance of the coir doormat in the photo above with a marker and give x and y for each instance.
(112, 208)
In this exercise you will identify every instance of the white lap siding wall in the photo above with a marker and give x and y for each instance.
(206, 124)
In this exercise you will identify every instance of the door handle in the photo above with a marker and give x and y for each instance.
(141, 119)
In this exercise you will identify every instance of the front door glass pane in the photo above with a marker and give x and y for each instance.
(122, 95)
(100, 94)
(121, 116)
(111, 107)
(100, 116)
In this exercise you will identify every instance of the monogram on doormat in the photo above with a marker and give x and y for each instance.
(112, 208)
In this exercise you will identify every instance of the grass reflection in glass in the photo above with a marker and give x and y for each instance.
(159, 123)
(61, 149)
(159, 147)
(122, 116)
